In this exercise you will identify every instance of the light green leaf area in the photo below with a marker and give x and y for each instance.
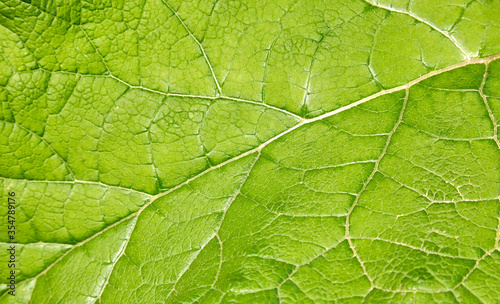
(167, 151)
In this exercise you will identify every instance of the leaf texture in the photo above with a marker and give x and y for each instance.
(167, 151)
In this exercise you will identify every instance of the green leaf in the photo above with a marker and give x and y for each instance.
(167, 151)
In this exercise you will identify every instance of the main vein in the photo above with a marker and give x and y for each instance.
(264, 144)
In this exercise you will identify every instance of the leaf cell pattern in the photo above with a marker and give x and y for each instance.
(167, 151)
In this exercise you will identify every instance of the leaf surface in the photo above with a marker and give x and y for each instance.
(166, 151)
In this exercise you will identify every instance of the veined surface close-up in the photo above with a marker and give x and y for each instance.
(269, 151)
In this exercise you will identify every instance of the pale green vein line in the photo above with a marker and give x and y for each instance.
(73, 182)
(216, 232)
(288, 278)
(448, 138)
(488, 108)
(259, 148)
(220, 262)
(307, 86)
(421, 249)
(171, 94)
(120, 253)
(474, 268)
(451, 183)
(263, 104)
(81, 244)
(444, 33)
(40, 243)
(6, 294)
(406, 86)
(151, 150)
(95, 48)
(375, 169)
(425, 195)
(370, 58)
(321, 117)
(302, 120)
(410, 291)
(8, 62)
(46, 143)
(198, 43)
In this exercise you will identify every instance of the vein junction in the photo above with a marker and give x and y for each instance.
(347, 236)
